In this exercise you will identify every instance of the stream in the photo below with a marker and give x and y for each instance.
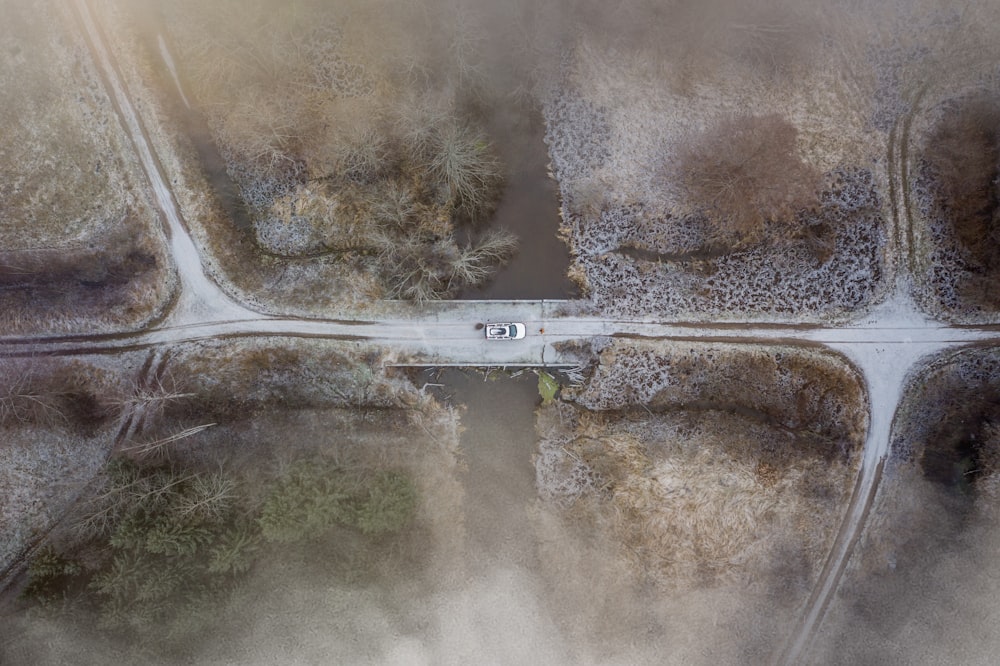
(529, 206)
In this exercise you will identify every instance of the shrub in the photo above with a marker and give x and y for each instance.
(393, 205)
(364, 154)
(386, 505)
(51, 396)
(963, 152)
(547, 387)
(432, 268)
(476, 263)
(746, 175)
(464, 163)
(315, 496)
(47, 575)
(307, 501)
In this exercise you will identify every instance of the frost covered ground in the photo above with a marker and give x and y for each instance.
(616, 122)
(725, 465)
(708, 467)
(620, 112)
(59, 423)
(80, 244)
(703, 478)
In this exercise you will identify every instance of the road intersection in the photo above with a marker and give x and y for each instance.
(886, 346)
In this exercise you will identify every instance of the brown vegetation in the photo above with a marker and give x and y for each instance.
(709, 464)
(48, 395)
(963, 155)
(81, 248)
(929, 550)
(746, 174)
(370, 160)
(948, 425)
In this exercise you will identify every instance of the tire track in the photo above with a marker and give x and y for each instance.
(885, 382)
(12, 574)
(203, 302)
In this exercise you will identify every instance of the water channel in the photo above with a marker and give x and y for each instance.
(530, 209)
(497, 446)
(529, 206)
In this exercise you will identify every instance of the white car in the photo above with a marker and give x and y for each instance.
(507, 331)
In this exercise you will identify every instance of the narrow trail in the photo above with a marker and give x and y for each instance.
(200, 298)
(885, 346)
(886, 365)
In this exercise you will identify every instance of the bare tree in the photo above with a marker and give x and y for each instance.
(153, 398)
(464, 162)
(24, 402)
(209, 496)
(160, 446)
(474, 264)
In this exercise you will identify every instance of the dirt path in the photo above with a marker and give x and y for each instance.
(885, 346)
(200, 298)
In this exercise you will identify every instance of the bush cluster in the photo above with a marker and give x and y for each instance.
(746, 174)
(164, 546)
(313, 497)
(341, 154)
(395, 191)
(962, 155)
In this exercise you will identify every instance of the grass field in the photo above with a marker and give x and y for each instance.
(702, 469)
(80, 246)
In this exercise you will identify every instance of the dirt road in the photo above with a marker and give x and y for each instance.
(885, 345)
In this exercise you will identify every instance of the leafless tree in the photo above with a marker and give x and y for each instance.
(473, 265)
(160, 446)
(465, 164)
(153, 398)
(21, 400)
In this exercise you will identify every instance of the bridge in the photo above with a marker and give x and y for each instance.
(885, 345)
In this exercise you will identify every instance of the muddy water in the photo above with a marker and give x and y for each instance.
(529, 206)
(498, 445)
(530, 209)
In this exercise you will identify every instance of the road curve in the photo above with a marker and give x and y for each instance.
(885, 346)
(199, 296)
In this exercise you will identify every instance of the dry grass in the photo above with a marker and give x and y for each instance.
(61, 178)
(746, 172)
(929, 548)
(278, 401)
(947, 430)
(702, 482)
(755, 111)
(350, 161)
(691, 503)
(74, 219)
(962, 153)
